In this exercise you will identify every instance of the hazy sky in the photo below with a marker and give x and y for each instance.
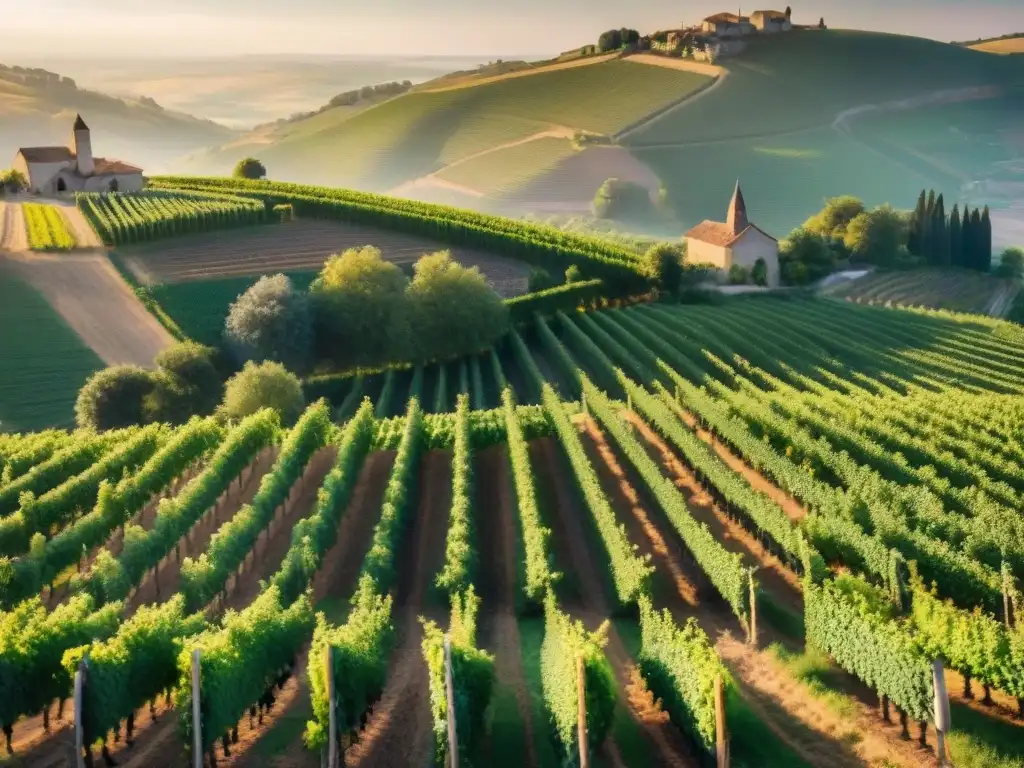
(57, 28)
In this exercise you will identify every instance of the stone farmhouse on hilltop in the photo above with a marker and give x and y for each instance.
(734, 241)
(737, 25)
(52, 170)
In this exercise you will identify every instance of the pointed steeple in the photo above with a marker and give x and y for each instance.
(736, 218)
(80, 124)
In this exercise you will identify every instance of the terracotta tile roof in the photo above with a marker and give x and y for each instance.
(104, 166)
(718, 233)
(46, 154)
(723, 18)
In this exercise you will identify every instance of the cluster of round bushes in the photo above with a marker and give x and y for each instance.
(363, 311)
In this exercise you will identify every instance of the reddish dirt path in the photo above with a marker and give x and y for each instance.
(791, 506)
(819, 734)
(400, 729)
(39, 748)
(161, 746)
(143, 518)
(570, 539)
(499, 628)
(772, 576)
(154, 590)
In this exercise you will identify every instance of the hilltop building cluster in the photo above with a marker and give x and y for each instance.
(724, 34)
(72, 168)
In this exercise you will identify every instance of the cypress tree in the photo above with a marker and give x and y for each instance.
(956, 238)
(985, 242)
(977, 241)
(928, 229)
(941, 255)
(966, 239)
(914, 241)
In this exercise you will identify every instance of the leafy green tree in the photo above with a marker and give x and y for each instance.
(662, 264)
(811, 250)
(271, 321)
(832, 220)
(1011, 263)
(263, 385)
(609, 41)
(192, 371)
(12, 180)
(249, 168)
(623, 200)
(114, 398)
(573, 274)
(452, 309)
(359, 309)
(877, 236)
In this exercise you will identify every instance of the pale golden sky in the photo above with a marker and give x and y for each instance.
(432, 27)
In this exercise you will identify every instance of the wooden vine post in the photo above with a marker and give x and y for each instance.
(81, 680)
(197, 714)
(941, 711)
(753, 611)
(332, 718)
(581, 712)
(721, 734)
(1007, 584)
(453, 735)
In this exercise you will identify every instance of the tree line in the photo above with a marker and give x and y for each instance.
(950, 240)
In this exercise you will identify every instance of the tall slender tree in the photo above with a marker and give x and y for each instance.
(985, 242)
(977, 241)
(956, 238)
(928, 229)
(914, 237)
(940, 257)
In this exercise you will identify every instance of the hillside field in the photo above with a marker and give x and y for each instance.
(43, 363)
(654, 474)
(421, 132)
(956, 290)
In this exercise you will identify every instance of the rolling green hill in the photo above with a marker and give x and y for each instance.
(37, 108)
(421, 132)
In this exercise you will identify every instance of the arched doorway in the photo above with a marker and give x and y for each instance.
(61, 186)
(113, 185)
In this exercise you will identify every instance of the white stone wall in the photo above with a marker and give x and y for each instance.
(126, 182)
(43, 176)
(699, 252)
(753, 246)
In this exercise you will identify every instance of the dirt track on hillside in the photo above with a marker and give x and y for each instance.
(97, 304)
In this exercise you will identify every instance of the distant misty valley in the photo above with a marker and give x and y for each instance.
(241, 92)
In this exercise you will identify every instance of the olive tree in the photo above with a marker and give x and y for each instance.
(114, 398)
(264, 385)
(452, 309)
(359, 308)
(250, 168)
(271, 321)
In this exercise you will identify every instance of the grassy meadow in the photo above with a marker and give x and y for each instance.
(505, 170)
(42, 370)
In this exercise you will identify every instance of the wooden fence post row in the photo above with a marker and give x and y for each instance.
(581, 712)
(453, 735)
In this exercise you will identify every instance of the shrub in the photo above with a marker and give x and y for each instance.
(452, 309)
(114, 398)
(249, 168)
(1011, 263)
(271, 321)
(663, 266)
(759, 272)
(877, 236)
(617, 199)
(738, 275)
(573, 274)
(189, 367)
(359, 308)
(540, 280)
(805, 256)
(267, 385)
